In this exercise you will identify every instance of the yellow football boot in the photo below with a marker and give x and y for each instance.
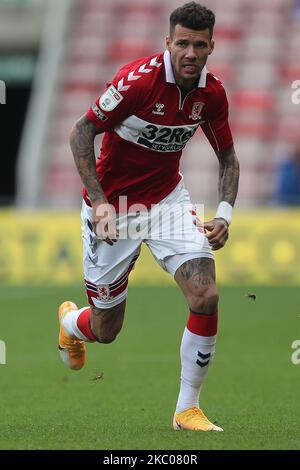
(193, 419)
(71, 349)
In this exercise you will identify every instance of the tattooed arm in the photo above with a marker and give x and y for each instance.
(228, 187)
(82, 140)
(229, 172)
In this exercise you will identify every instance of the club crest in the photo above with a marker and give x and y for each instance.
(103, 292)
(196, 111)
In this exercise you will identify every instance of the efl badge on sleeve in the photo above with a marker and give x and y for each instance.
(110, 99)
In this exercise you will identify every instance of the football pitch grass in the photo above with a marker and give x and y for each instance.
(124, 397)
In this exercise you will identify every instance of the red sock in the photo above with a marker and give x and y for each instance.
(203, 325)
(83, 323)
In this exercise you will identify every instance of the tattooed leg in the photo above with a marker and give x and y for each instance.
(196, 278)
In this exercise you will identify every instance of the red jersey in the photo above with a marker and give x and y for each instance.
(147, 122)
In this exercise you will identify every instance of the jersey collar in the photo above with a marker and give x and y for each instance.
(169, 71)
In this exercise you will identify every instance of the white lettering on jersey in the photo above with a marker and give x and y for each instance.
(154, 136)
(110, 99)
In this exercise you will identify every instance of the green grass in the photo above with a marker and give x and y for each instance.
(252, 388)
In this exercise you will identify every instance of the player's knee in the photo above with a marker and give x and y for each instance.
(205, 302)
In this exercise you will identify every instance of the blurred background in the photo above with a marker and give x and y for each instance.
(55, 59)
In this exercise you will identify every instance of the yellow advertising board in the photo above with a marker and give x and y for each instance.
(264, 248)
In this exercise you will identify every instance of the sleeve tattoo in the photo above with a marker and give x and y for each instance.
(229, 172)
(82, 144)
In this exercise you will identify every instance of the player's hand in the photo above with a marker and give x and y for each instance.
(218, 233)
(104, 222)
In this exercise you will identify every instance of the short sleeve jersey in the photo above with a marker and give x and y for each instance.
(147, 122)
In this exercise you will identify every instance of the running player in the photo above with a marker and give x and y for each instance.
(148, 112)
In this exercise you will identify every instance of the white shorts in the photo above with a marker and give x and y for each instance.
(167, 229)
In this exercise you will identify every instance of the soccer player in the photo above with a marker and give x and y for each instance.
(148, 112)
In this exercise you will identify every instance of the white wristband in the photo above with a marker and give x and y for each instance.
(224, 211)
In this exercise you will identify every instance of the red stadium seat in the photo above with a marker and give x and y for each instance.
(124, 50)
(255, 98)
(290, 72)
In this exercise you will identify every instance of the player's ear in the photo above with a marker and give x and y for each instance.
(212, 46)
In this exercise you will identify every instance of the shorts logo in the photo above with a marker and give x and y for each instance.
(99, 113)
(103, 292)
(196, 111)
(110, 99)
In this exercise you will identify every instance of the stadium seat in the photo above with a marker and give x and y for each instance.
(253, 98)
(290, 72)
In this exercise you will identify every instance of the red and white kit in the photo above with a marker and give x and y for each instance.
(147, 122)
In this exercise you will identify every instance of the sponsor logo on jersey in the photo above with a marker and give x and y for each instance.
(110, 99)
(159, 107)
(99, 113)
(196, 111)
(166, 139)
